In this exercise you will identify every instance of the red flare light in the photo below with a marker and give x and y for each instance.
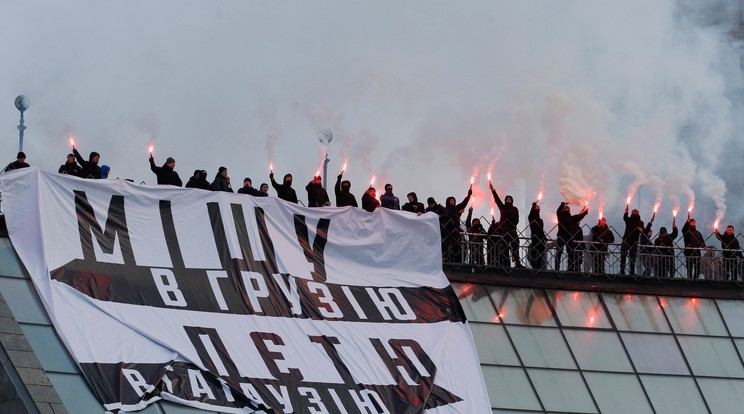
(627, 200)
(601, 215)
(689, 209)
(674, 213)
(343, 169)
(472, 180)
(656, 207)
(72, 141)
(150, 149)
(317, 173)
(489, 176)
(372, 181)
(539, 196)
(715, 225)
(491, 211)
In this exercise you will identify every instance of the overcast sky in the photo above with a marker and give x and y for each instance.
(586, 100)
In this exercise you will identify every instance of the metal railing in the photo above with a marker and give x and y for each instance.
(506, 252)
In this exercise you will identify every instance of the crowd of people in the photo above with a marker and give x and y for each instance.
(499, 245)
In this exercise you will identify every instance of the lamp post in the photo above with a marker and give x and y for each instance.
(325, 137)
(22, 103)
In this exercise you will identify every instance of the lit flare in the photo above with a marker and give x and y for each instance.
(271, 167)
(674, 213)
(343, 169)
(150, 149)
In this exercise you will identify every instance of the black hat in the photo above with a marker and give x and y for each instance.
(430, 200)
(663, 230)
(170, 160)
(222, 169)
(21, 155)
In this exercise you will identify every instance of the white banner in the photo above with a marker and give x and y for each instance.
(238, 304)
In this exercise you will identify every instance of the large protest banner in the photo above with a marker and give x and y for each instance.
(232, 303)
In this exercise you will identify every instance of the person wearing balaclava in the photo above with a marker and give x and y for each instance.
(538, 241)
(694, 241)
(105, 171)
(284, 190)
(343, 194)
(508, 223)
(665, 250)
(629, 247)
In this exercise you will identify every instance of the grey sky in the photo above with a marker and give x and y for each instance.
(585, 98)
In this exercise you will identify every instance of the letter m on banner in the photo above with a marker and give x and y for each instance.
(115, 227)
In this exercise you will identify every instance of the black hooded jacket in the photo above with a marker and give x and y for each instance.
(317, 196)
(284, 190)
(633, 227)
(343, 195)
(415, 206)
(90, 169)
(199, 180)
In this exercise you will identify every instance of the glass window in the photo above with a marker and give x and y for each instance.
(605, 388)
(22, 300)
(655, 353)
(733, 315)
(10, 264)
(581, 309)
(723, 395)
(541, 347)
(715, 357)
(673, 395)
(493, 345)
(49, 349)
(638, 313)
(525, 307)
(693, 316)
(509, 388)
(562, 391)
(598, 350)
(476, 301)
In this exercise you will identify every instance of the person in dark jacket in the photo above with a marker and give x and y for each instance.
(434, 207)
(90, 168)
(476, 238)
(451, 232)
(221, 181)
(317, 196)
(369, 200)
(388, 199)
(694, 242)
(509, 218)
(665, 249)
(646, 248)
(70, 167)
(198, 180)
(248, 189)
(284, 190)
(105, 171)
(343, 194)
(731, 253)
(538, 240)
(629, 247)
(602, 237)
(20, 162)
(413, 205)
(569, 229)
(166, 174)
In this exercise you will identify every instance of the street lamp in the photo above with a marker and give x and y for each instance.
(325, 137)
(22, 103)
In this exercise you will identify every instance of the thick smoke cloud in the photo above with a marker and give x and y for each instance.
(584, 101)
